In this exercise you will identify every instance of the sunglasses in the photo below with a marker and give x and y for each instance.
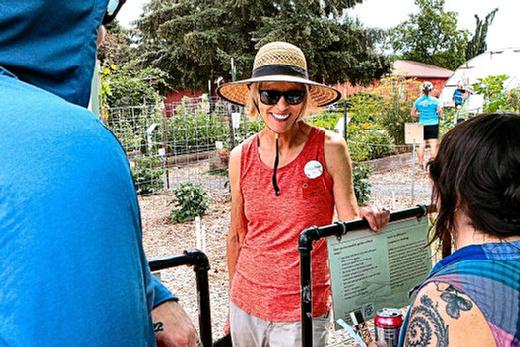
(292, 97)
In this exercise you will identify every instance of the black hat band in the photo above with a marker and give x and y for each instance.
(288, 70)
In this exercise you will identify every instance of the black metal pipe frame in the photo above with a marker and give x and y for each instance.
(200, 264)
(309, 235)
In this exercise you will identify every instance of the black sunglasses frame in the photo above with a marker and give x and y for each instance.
(292, 97)
(110, 17)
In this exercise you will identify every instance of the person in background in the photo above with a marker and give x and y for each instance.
(73, 266)
(460, 95)
(428, 111)
(472, 297)
(285, 178)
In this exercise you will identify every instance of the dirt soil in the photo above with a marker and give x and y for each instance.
(162, 238)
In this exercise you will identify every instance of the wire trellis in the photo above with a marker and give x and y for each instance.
(189, 141)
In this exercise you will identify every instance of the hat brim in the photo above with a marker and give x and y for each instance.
(238, 92)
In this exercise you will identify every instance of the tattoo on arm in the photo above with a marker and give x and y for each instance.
(158, 326)
(455, 302)
(426, 322)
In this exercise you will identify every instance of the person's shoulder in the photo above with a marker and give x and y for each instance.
(38, 102)
(333, 140)
(335, 147)
(236, 152)
(443, 315)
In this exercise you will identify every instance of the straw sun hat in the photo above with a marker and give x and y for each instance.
(279, 62)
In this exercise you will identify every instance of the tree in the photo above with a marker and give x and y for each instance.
(124, 82)
(478, 45)
(194, 40)
(115, 49)
(430, 36)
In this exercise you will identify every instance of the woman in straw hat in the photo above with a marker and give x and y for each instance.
(285, 178)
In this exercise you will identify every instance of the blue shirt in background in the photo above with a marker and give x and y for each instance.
(427, 107)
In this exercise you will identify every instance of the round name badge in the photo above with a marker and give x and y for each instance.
(313, 169)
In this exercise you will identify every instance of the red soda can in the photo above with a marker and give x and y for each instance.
(387, 324)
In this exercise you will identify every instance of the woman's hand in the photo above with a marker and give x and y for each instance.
(377, 217)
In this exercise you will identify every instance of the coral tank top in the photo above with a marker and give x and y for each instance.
(267, 279)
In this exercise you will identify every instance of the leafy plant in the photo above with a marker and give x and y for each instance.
(361, 181)
(398, 94)
(513, 100)
(147, 174)
(448, 120)
(365, 107)
(492, 88)
(367, 143)
(325, 120)
(190, 201)
(191, 129)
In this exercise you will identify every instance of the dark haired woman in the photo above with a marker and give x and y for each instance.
(472, 297)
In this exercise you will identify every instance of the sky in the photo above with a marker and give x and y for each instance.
(503, 33)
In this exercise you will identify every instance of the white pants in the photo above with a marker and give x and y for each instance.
(250, 331)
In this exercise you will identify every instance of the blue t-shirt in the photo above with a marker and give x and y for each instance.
(427, 107)
(458, 98)
(73, 268)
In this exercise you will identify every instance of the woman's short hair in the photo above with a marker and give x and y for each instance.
(477, 171)
(308, 106)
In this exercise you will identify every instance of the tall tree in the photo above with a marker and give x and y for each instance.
(478, 44)
(194, 40)
(430, 36)
(115, 49)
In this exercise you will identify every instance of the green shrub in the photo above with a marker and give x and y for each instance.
(368, 144)
(447, 121)
(361, 181)
(248, 128)
(492, 88)
(393, 121)
(365, 107)
(513, 100)
(398, 94)
(130, 124)
(325, 120)
(192, 131)
(190, 201)
(147, 174)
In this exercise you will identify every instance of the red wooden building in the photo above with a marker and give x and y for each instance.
(408, 69)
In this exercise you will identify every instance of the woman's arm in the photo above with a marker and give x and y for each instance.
(444, 316)
(237, 226)
(339, 166)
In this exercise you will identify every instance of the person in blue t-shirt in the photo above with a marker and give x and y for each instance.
(428, 110)
(460, 95)
(74, 272)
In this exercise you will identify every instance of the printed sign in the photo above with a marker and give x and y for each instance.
(413, 133)
(369, 270)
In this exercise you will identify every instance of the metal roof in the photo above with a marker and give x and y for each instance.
(410, 68)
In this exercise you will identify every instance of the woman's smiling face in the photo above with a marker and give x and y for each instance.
(281, 116)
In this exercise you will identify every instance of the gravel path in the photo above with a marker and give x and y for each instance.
(162, 238)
